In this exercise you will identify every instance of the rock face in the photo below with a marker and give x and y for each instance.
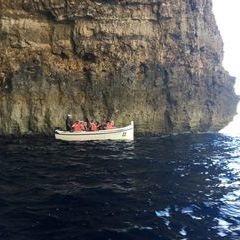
(157, 62)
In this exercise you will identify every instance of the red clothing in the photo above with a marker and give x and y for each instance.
(93, 127)
(110, 125)
(107, 126)
(76, 127)
(82, 127)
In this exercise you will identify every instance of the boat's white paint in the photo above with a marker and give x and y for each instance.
(125, 133)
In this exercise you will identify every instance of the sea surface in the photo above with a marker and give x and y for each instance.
(179, 187)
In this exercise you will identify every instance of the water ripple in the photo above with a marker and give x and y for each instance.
(177, 187)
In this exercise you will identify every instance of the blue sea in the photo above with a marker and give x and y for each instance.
(184, 187)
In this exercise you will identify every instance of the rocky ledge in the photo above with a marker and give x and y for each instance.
(157, 62)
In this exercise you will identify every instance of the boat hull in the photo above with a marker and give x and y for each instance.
(125, 133)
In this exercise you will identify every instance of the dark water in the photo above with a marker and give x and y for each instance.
(180, 187)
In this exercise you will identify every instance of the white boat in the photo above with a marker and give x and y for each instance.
(124, 133)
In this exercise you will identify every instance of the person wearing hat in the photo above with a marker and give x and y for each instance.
(69, 122)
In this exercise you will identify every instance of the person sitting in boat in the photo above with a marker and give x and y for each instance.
(99, 125)
(83, 127)
(87, 125)
(113, 124)
(110, 125)
(93, 126)
(69, 122)
(76, 126)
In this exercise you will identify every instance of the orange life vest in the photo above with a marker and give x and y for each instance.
(82, 126)
(109, 126)
(76, 127)
(112, 125)
(93, 127)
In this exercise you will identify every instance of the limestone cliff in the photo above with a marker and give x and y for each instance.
(157, 62)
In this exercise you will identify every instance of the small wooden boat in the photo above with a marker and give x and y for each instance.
(124, 133)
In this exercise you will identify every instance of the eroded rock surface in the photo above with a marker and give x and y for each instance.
(157, 62)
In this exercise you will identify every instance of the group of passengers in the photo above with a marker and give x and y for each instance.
(79, 126)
